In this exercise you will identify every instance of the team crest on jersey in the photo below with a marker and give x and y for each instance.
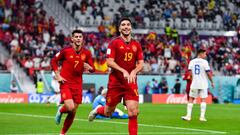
(71, 56)
(134, 48)
(83, 57)
(121, 47)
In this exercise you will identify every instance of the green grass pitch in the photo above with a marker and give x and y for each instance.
(154, 119)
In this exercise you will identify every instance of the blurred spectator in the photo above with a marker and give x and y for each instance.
(61, 38)
(100, 90)
(29, 65)
(101, 28)
(146, 67)
(163, 85)
(155, 86)
(45, 64)
(91, 90)
(14, 87)
(168, 30)
(148, 88)
(172, 63)
(40, 86)
(175, 35)
(36, 63)
(178, 68)
(14, 45)
(9, 64)
(154, 66)
(46, 36)
(177, 87)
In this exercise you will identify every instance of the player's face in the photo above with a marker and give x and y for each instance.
(77, 39)
(125, 28)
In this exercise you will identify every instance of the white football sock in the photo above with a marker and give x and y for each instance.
(203, 109)
(189, 109)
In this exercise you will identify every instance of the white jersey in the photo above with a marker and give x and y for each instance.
(199, 68)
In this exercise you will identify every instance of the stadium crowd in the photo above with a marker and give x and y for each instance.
(221, 14)
(31, 39)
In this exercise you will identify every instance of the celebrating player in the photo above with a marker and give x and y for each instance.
(199, 70)
(74, 60)
(125, 57)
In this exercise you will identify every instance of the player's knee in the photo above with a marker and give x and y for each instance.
(70, 108)
(133, 112)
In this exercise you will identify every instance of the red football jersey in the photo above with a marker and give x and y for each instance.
(187, 77)
(125, 55)
(72, 64)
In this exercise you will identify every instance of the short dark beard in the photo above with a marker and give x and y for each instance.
(126, 35)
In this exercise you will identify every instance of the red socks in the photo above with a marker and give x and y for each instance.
(132, 122)
(100, 110)
(63, 109)
(68, 122)
(133, 125)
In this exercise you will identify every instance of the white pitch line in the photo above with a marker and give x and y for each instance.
(123, 123)
(167, 127)
(109, 133)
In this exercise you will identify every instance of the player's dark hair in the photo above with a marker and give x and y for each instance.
(77, 31)
(124, 19)
(201, 51)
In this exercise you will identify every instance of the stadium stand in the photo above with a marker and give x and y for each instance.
(31, 38)
(201, 13)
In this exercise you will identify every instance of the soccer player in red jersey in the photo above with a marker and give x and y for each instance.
(188, 78)
(125, 57)
(75, 59)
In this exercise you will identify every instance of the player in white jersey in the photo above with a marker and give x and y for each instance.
(200, 72)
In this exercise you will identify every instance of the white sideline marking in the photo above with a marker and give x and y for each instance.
(109, 133)
(123, 123)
